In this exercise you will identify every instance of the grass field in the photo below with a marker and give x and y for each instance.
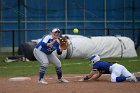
(69, 66)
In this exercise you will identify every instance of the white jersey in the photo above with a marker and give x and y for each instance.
(42, 45)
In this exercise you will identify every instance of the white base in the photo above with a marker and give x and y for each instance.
(19, 78)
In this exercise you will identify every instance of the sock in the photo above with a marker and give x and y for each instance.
(42, 72)
(120, 79)
(138, 78)
(59, 72)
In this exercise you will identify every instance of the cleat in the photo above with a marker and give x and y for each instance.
(133, 78)
(42, 81)
(63, 80)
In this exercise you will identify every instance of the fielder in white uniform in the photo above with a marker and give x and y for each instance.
(43, 52)
(118, 72)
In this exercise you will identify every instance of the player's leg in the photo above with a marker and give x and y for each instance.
(42, 58)
(138, 78)
(115, 77)
(128, 75)
(116, 73)
(56, 62)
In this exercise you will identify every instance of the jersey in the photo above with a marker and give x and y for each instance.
(102, 66)
(42, 45)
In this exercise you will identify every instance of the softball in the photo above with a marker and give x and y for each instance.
(75, 30)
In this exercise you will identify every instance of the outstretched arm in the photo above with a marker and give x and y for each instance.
(93, 75)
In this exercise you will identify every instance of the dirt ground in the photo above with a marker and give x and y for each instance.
(103, 85)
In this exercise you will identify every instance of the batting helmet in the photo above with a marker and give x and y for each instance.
(55, 30)
(94, 58)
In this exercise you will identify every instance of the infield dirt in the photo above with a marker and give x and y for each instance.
(103, 85)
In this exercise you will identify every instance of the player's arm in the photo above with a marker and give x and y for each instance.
(95, 76)
(59, 51)
(87, 77)
(45, 41)
(91, 74)
(51, 43)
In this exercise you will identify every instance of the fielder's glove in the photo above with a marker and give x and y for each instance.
(63, 43)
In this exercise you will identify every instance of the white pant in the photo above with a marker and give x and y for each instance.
(46, 59)
(118, 70)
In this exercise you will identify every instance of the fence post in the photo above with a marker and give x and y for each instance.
(13, 42)
(108, 33)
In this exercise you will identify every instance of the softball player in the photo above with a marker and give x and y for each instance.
(118, 72)
(43, 52)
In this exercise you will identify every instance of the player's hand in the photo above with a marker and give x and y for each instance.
(86, 78)
(81, 80)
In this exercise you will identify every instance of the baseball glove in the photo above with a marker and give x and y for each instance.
(63, 43)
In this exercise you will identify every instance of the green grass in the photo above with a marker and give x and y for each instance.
(32, 68)
(69, 66)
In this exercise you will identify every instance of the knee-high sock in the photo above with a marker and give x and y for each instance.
(138, 78)
(120, 79)
(59, 72)
(42, 72)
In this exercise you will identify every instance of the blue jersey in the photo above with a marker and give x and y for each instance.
(102, 67)
(42, 45)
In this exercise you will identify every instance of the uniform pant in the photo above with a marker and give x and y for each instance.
(46, 59)
(118, 70)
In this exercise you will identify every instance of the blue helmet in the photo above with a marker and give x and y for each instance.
(94, 58)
